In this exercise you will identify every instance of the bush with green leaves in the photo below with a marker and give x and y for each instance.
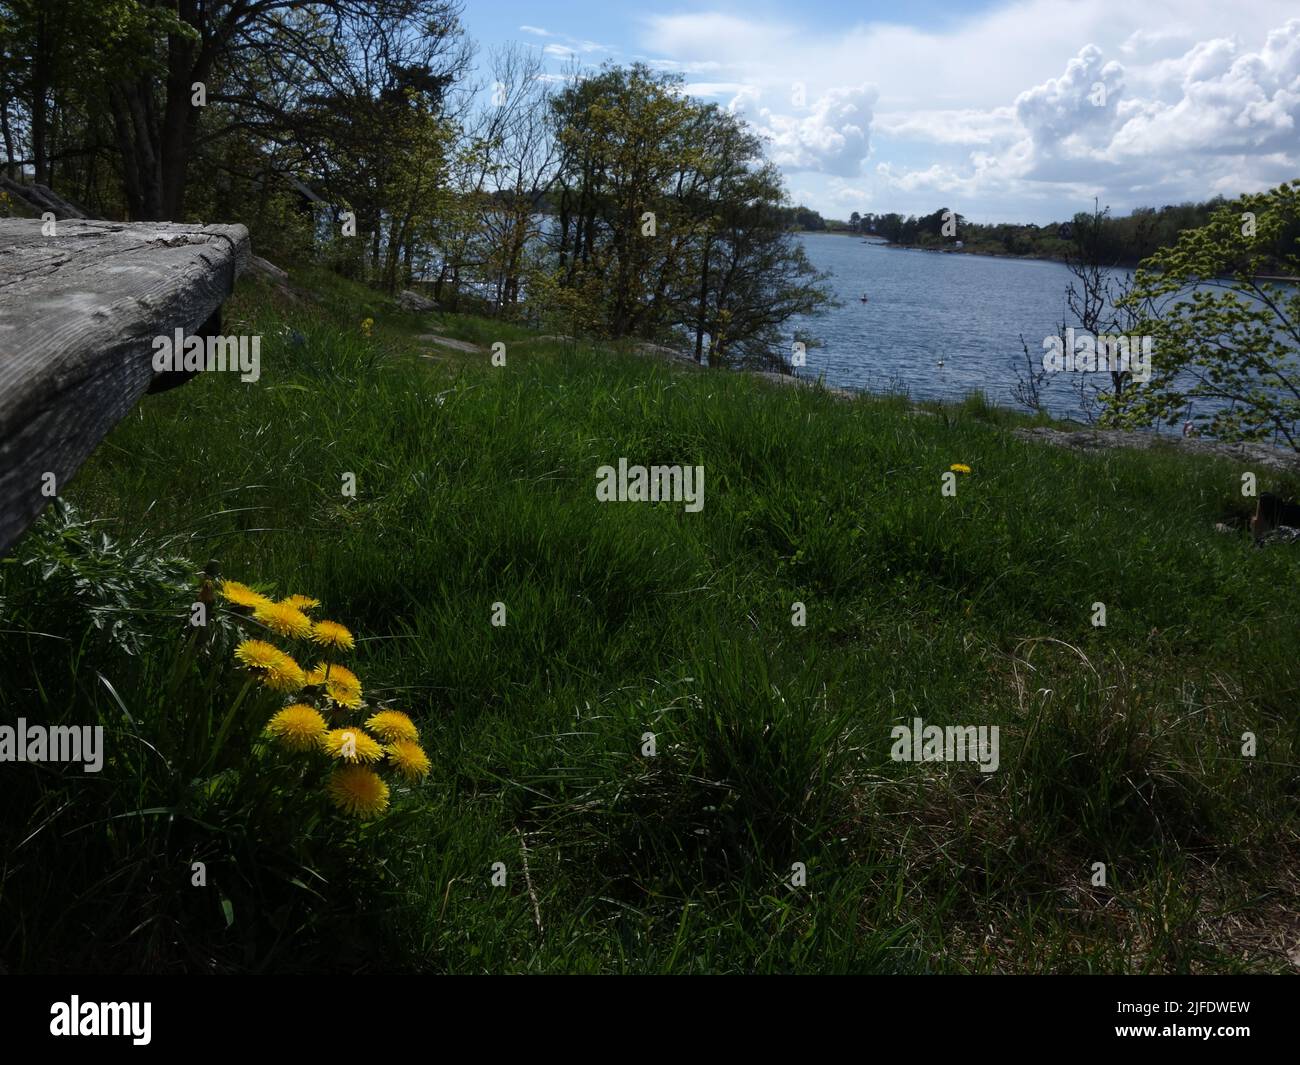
(195, 847)
(1227, 339)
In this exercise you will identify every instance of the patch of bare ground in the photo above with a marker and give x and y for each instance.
(1097, 440)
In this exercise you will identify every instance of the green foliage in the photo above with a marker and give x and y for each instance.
(118, 590)
(476, 485)
(1227, 340)
(670, 226)
(99, 869)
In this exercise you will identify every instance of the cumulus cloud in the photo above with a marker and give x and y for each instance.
(954, 126)
(1220, 117)
(1230, 101)
(833, 136)
(1022, 102)
(1083, 99)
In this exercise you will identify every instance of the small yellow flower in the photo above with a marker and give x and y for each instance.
(341, 684)
(332, 634)
(358, 791)
(351, 745)
(298, 727)
(333, 671)
(276, 669)
(959, 467)
(366, 324)
(241, 595)
(258, 654)
(283, 620)
(302, 602)
(409, 759)
(284, 675)
(393, 725)
(344, 695)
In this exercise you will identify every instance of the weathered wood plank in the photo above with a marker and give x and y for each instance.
(79, 312)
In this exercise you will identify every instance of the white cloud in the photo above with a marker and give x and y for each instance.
(1001, 105)
(715, 88)
(1231, 101)
(956, 126)
(833, 136)
(1081, 100)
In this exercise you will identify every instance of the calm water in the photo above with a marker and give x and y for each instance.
(968, 310)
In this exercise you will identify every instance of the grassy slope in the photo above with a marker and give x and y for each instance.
(476, 485)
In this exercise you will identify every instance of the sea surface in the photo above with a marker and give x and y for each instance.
(936, 325)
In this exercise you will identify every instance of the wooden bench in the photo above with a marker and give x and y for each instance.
(79, 311)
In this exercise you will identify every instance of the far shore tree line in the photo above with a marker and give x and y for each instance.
(356, 134)
(1120, 240)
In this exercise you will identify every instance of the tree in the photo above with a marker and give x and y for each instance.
(1226, 337)
(764, 278)
(1095, 300)
(670, 223)
(157, 81)
(495, 228)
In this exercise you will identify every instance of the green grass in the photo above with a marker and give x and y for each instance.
(475, 485)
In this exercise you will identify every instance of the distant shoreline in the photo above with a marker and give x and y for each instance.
(993, 253)
(985, 251)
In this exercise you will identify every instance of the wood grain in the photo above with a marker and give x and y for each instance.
(78, 315)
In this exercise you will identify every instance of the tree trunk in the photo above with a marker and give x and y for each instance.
(704, 301)
(40, 89)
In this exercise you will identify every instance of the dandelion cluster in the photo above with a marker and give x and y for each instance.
(324, 696)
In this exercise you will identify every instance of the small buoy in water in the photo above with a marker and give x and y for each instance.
(863, 298)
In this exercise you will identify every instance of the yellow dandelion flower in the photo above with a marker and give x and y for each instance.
(276, 669)
(298, 727)
(283, 620)
(332, 634)
(340, 683)
(324, 671)
(351, 745)
(959, 467)
(341, 675)
(284, 675)
(302, 602)
(393, 725)
(344, 695)
(258, 654)
(358, 791)
(334, 673)
(241, 595)
(409, 759)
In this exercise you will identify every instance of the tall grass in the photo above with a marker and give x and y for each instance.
(475, 486)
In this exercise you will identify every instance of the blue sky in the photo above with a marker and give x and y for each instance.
(1002, 111)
